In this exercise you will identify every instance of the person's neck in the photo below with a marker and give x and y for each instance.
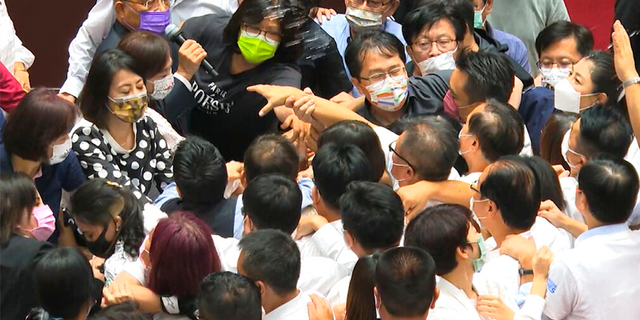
(329, 214)
(501, 234)
(462, 278)
(121, 132)
(478, 164)
(239, 64)
(591, 222)
(386, 117)
(27, 167)
(277, 301)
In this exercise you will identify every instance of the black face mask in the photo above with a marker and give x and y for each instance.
(101, 247)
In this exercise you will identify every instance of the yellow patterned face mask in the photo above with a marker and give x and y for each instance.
(130, 108)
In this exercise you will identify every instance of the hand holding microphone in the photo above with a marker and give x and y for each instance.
(191, 53)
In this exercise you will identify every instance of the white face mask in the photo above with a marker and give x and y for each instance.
(551, 76)
(362, 19)
(444, 61)
(162, 87)
(566, 98)
(60, 152)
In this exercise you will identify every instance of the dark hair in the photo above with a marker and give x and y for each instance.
(513, 186)
(460, 8)
(91, 203)
(64, 281)
(200, 172)
(603, 76)
(272, 201)
(335, 166)
(373, 214)
(361, 135)
(499, 129)
(440, 230)
(361, 304)
(610, 186)
(561, 30)
(604, 129)
(430, 144)
(291, 15)
(17, 198)
(229, 296)
(550, 188)
(122, 311)
(40, 118)
(426, 16)
(272, 257)
(271, 153)
(406, 281)
(490, 75)
(95, 95)
(149, 50)
(371, 41)
(552, 135)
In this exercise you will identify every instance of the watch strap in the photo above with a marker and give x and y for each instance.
(631, 82)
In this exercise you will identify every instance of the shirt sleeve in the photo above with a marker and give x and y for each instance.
(170, 192)
(532, 309)
(23, 54)
(562, 291)
(83, 47)
(286, 75)
(164, 161)
(557, 12)
(90, 150)
(72, 175)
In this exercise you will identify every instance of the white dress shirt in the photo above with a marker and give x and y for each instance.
(295, 309)
(11, 48)
(99, 23)
(598, 278)
(330, 241)
(316, 273)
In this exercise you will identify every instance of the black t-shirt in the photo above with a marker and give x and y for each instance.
(219, 216)
(424, 96)
(321, 63)
(226, 114)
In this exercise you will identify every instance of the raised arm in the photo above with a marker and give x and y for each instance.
(627, 73)
(83, 47)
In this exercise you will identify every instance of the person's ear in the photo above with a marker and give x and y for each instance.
(393, 6)
(243, 179)
(262, 287)
(349, 239)
(436, 295)
(119, 8)
(315, 196)
(581, 202)
(488, 7)
(493, 209)
(410, 52)
(247, 225)
(376, 296)
(601, 98)
(356, 83)
(118, 221)
(179, 192)
(462, 253)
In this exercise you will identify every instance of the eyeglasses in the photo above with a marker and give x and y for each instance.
(381, 76)
(255, 32)
(460, 135)
(560, 65)
(152, 4)
(443, 44)
(370, 4)
(392, 148)
(474, 187)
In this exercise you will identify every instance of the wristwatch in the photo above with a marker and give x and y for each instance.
(524, 272)
(630, 82)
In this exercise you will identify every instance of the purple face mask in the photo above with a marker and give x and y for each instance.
(152, 21)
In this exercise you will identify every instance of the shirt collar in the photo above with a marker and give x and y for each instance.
(602, 230)
(293, 305)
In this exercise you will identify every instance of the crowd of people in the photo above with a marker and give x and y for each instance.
(270, 159)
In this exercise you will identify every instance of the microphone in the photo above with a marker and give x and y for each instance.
(175, 34)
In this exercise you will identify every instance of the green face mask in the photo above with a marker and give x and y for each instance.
(256, 48)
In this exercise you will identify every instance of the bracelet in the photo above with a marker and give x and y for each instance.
(631, 82)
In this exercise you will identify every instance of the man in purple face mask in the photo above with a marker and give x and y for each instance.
(136, 15)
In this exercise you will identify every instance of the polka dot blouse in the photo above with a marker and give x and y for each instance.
(101, 156)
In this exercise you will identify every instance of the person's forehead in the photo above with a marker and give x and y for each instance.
(562, 48)
(437, 29)
(373, 60)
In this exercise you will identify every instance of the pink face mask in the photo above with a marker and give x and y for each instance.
(46, 223)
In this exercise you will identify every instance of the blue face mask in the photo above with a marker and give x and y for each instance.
(478, 22)
(479, 262)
